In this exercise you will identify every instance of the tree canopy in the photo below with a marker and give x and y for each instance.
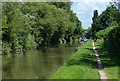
(43, 23)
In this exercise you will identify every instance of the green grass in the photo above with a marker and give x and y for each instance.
(82, 65)
(112, 72)
(109, 61)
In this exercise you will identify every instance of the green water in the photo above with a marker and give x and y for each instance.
(35, 64)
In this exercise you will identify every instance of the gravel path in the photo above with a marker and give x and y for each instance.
(100, 67)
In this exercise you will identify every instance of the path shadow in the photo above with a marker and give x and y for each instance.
(89, 48)
(88, 59)
(107, 59)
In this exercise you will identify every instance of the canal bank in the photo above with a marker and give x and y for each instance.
(82, 65)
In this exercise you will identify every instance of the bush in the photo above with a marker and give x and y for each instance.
(111, 38)
(6, 49)
(100, 34)
(30, 42)
(104, 33)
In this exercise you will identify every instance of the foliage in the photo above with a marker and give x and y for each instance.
(104, 33)
(45, 23)
(30, 42)
(6, 48)
(94, 24)
(107, 27)
(108, 18)
(111, 38)
(63, 5)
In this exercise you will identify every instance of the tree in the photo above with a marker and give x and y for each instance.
(94, 25)
(45, 23)
(108, 18)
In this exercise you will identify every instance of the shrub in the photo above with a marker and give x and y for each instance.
(111, 38)
(30, 42)
(6, 49)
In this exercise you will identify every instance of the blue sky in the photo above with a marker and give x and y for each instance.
(84, 10)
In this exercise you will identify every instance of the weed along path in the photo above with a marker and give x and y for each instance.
(100, 67)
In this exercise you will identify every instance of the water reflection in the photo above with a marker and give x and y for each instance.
(35, 64)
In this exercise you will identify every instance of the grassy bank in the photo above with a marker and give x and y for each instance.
(82, 65)
(109, 61)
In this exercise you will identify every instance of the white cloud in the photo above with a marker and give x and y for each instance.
(84, 7)
(87, 1)
(84, 10)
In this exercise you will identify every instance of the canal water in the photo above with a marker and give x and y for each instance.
(35, 64)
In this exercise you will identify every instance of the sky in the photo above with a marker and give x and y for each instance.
(84, 10)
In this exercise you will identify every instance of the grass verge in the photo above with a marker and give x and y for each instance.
(82, 65)
(109, 61)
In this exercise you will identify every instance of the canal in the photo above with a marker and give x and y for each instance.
(40, 64)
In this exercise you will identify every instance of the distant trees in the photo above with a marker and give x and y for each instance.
(28, 25)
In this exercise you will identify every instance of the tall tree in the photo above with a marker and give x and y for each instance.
(94, 25)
